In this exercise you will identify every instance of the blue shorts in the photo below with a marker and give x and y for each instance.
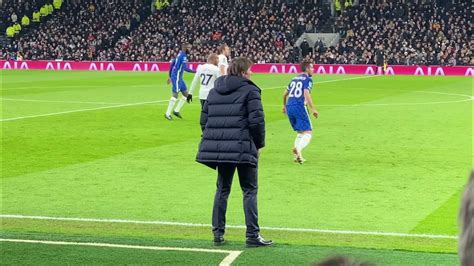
(178, 86)
(299, 118)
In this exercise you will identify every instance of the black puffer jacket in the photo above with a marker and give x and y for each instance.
(232, 122)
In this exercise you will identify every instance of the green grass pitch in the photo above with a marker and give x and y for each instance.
(390, 154)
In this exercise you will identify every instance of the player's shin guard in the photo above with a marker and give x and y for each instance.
(170, 105)
(180, 105)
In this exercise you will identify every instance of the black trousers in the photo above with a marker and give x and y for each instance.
(202, 103)
(248, 177)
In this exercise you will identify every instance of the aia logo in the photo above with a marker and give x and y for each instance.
(15, 65)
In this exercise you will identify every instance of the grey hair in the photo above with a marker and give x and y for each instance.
(466, 220)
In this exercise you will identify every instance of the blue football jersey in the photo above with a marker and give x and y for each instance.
(296, 89)
(178, 66)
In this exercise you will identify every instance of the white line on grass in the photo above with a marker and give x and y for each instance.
(49, 87)
(50, 101)
(468, 98)
(288, 229)
(78, 111)
(445, 93)
(233, 254)
(379, 104)
(324, 81)
(141, 103)
(282, 87)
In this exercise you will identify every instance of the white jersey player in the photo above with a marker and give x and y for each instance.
(224, 53)
(206, 75)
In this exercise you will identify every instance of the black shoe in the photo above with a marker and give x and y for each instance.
(258, 242)
(178, 115)
(219, 241)
(168, 117)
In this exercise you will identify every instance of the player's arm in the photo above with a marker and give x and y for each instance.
(285, 99)
(222, 69)
(222, 65)
(171, 69)
(193, 85)
(309, 103)
(187, 69)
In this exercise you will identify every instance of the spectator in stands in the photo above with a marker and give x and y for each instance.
(36, 17)
(44, 11)
(305, 48)
(10, 32)
(14, 18)
(25, 21)
(57, 4)
(17, 27)
(337, 7)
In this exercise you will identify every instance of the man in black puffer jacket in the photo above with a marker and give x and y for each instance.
(233, 126)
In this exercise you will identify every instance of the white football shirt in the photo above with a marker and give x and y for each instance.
(223, 62)
(206, 75)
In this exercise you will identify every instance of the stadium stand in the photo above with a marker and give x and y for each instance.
(81, 28)
(263, 32)
(20, 17)
(429, 33)
(434, 33)
(13, 10)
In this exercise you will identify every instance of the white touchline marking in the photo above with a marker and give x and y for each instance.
(444, 93)
(50, 101)
(233, 254)
(270, 88)
(379, 104)
(230, 258)
(288, 229)
(79, 110)
(72, 86)
(469, 98)
(51, 86)
(132, 104)
(282, 87)
(324, 81)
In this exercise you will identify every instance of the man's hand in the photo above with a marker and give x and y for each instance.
(189, 98)
(315, 113)
(284, 109)
(168, 81)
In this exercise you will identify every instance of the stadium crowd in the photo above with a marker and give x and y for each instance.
(263, 32)
(430, 33)
(81, 28)
(16, 16)
(407, 32)
(13, 10)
